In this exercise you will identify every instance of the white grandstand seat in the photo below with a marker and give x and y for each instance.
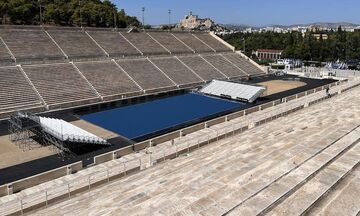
(176, 70)
(107, 78)
(201, 67)
(235, 91)
(145, 73)
(27, 45)
(114, 43)
(145, 43)
(15, 91)
(76, 44)
(67, 132)
(224, 65)
(59, 83)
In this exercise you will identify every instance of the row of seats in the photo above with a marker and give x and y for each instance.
(145, 44)
(59, 83)
(170, 42)
(194, 42)
(212, 42)
(114, 43)
(201, 67)
(229, 69)
(62, 83)
(34, 45)
(107, 78)
(178, 72)
(76, 44)
(145, 74)
(244, 64)
(30, 44)
(15, 91)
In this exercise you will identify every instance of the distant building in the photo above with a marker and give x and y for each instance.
(316, 28)
(318, 36)
(193, 22)
(268, 54)
(349, 29)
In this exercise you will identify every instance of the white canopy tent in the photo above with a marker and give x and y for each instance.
(235, 91)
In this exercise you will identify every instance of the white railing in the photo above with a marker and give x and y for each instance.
(43, 198)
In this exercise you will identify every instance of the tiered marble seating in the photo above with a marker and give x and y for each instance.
(213, 42)
(60, 84)
(29, 45)
(76, 44)
(145, 43)
(201, 67)
(15, 91)
(107, 78)
(193, 42)
(244, 64)
(145, 74)
(224, 66)
(114, 44)
(177, 71)
(170, 42)
(290, 166)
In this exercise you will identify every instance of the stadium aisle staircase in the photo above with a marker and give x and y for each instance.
(5, 57)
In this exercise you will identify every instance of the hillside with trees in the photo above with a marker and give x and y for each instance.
(339, 45)
(95, 13)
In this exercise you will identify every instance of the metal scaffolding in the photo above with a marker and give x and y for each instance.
(26, 132)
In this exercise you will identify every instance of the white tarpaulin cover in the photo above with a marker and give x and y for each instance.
(235, 91)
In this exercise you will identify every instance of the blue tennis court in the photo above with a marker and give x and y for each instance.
(148, 118)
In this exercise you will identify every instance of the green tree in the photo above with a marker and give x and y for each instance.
(338, 45)
(95, 13)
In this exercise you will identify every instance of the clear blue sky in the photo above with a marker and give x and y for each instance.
(252, 12)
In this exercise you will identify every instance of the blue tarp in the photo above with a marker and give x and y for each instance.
(142, 119)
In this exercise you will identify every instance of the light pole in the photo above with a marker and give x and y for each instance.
(115, 17)
(169, 11)
(80, 13)
(243, 40)
(143, 16)
(40, 19)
